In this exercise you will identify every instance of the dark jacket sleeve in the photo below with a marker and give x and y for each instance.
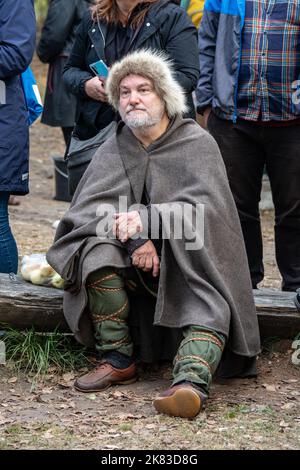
(181, 46)
(57, 27)
(133, 244)
(208, 30)
(75, 74)
(17, 36)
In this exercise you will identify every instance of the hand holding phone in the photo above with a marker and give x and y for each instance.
(94, 88)
(99, 68)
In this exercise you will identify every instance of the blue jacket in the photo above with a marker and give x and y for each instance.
(17, 43)
(219, 53)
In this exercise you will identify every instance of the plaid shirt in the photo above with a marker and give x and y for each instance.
(270, 60)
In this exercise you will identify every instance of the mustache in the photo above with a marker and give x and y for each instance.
(130, 107)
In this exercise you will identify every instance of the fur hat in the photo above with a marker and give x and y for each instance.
(154, 66)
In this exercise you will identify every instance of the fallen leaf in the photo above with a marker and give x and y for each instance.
(137, 428)
(48, 434)
(41, 399)
(91, 396)
(269, 387)
(211, 422)
(287, 406)
(258, 438)
(47, 390)
(151, 426)
(62, 406)
(163, 429)
(4, 420)
(12, 380)
(117, 394)
(65, 384)
(283, 424)
(124, 416)
(68, 376)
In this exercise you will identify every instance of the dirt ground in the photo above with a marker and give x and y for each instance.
(262, 413)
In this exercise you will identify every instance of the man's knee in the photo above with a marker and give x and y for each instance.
(98, 277)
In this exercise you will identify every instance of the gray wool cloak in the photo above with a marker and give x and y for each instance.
(209, 286)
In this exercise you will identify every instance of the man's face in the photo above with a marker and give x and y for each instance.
(139, 105)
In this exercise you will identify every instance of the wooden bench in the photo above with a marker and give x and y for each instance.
(23, 305)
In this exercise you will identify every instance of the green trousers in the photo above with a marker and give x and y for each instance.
(198, 355)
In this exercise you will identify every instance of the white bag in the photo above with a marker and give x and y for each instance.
(36, 269)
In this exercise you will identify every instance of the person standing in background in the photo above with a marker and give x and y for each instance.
(110, 31)
(249, 72)
(17, 43)
(56, 42)
(113, 29)
(194, 9)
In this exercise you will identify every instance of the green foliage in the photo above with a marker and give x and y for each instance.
(36, 352)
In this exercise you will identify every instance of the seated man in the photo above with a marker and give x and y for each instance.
(181, 249)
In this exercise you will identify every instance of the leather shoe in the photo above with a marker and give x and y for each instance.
(104, 376)
(181, 400)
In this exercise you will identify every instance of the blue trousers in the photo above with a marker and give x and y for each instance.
(8, 246)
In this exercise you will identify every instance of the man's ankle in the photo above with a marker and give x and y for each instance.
(198, 387)
(118, 359)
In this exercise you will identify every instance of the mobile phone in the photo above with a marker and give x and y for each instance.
(99, 68)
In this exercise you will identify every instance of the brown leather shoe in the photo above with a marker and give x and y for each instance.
(181, 400)
(104, 376)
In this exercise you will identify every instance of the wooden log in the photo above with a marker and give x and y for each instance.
(23, 305)
(277, 313)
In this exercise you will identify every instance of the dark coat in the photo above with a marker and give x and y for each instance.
(57, 39)
(166, 27)
(17, 42)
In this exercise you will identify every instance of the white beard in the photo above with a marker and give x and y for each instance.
(143, 120)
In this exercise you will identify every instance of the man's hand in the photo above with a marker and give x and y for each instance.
(206, 116)
(145, 258)
(94, 88)
(127, 224)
